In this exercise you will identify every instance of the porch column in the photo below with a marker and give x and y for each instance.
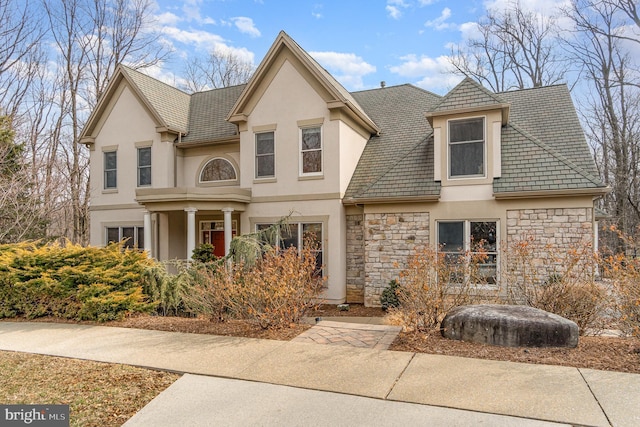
(191, 231)
(228, 232)
(147, 233)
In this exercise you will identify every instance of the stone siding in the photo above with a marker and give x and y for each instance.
(355, 259)
(553, 232)
(389, 240)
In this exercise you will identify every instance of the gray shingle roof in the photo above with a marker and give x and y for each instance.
(529, 164)
(543, 147)
(548, 114)
(399, 162)
(171, 104)
(467, 94)
(208, 112)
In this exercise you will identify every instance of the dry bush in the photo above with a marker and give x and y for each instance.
(277, 290)
(433, 283)
(622, 272)
(560, 282)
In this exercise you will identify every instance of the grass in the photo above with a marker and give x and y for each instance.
(98, 394)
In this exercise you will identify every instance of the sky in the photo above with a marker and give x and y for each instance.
(360, 42)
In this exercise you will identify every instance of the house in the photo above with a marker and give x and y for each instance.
(374, 174)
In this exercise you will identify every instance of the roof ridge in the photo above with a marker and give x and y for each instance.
(556, 154)
(364, 188)
(397, 86)
(468, 80)
(532, 88)
(127, 68)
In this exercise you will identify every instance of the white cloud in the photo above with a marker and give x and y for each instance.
(246, 26)
(191, 12)
(347, 68)
(433, 74)
(316, 12)
(394, 8)
(440, 22)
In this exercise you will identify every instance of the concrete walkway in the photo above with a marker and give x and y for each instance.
(295, 383)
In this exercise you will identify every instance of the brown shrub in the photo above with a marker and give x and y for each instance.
(277, 290)
(433, 283)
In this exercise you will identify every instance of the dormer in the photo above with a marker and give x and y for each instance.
(467, 126)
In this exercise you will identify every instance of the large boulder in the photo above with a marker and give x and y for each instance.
(509, 326)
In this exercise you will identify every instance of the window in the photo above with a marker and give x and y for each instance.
(134, 236)
(110, 170)
(466, 148)
(464, 241)
(218, 169)
(144, 166)
(295, 236)
(265, 155)
(310, 151)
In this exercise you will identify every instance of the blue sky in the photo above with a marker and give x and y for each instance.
(361, 42)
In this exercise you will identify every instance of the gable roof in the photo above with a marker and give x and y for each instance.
(168, 105)
(168, 102)
(339, 97)
(468, 94)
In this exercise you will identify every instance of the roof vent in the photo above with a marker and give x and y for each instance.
(383, 83)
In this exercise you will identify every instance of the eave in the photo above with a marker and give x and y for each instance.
(595, 192)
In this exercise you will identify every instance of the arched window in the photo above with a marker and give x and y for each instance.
(218, 169)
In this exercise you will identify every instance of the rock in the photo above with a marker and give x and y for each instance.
(509, 326)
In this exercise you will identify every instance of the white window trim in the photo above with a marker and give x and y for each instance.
(467, 241)
(484, 151)
(138, 167)
(321, 149)
(299, 224)
(104, 169)
(235, 171)
(255, 156)
(136, 232)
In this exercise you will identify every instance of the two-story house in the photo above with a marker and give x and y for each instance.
(373, 174)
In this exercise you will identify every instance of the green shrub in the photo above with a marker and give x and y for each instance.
(71, 281)
(204, 253)
(389, 297)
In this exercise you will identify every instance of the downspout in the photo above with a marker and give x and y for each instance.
(175, 161)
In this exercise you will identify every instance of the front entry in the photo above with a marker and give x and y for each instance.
(213, 232)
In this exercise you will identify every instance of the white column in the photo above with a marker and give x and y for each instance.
(191, 231)
(228, 233)
(147, 233)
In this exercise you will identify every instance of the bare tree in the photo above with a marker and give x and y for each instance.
(21, 215)
(219, 69)
(92, 37)
(20, 52)
(611, 109)
(515, 49)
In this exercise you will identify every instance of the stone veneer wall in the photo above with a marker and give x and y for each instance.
(355, 259)
(551, 229)
(389, 239)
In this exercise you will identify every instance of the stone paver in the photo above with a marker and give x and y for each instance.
(328, 332)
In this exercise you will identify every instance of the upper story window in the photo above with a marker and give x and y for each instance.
(110, 170)
(466, 148)
(144, 166)
(310, 150)
(218, 169)
(265, 155)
